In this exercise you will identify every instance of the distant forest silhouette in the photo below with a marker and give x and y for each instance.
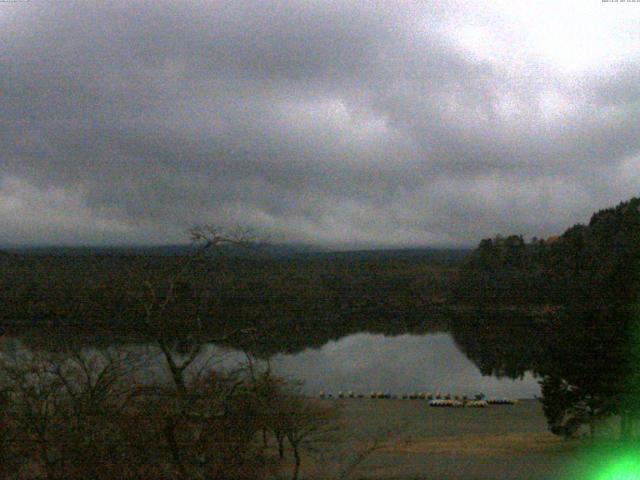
(289, 302)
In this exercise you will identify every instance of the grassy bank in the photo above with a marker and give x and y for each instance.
(416, 441)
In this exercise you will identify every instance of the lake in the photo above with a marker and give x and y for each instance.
(364, 362)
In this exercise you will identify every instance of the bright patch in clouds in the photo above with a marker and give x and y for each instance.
(572, 36)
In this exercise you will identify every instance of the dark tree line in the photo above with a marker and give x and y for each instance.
(577, 296)
(594, 264)
(291, 303)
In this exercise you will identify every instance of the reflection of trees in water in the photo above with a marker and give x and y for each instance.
(260, 336)
(572, 341)
(499, 343)
(296, 335)
(586, 358)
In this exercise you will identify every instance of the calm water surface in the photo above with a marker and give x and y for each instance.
(365, 362)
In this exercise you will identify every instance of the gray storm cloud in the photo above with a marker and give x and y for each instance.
(336, 123)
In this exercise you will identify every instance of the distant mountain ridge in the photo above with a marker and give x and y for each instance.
(275, 251)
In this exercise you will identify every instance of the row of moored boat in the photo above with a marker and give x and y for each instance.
(437, 400)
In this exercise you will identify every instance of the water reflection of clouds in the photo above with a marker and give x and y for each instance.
(402, 364)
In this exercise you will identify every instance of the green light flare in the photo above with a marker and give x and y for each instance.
(607, 464)
(621, 469)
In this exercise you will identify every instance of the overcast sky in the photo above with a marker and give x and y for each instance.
(337, 123)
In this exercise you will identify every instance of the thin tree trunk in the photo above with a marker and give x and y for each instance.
(170, 437)
(48, 464)
(296, 466)
(280, 446)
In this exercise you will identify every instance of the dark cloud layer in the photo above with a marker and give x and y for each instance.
(340, 123)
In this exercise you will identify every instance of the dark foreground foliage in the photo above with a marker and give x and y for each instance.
(88, 414)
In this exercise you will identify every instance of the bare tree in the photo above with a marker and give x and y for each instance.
(63, 409)
(175, 301)
(289, 415)
(270, 393)
(307, 424)
(36, 408)
(174, 306)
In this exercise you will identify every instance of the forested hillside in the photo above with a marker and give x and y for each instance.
(594, 264)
